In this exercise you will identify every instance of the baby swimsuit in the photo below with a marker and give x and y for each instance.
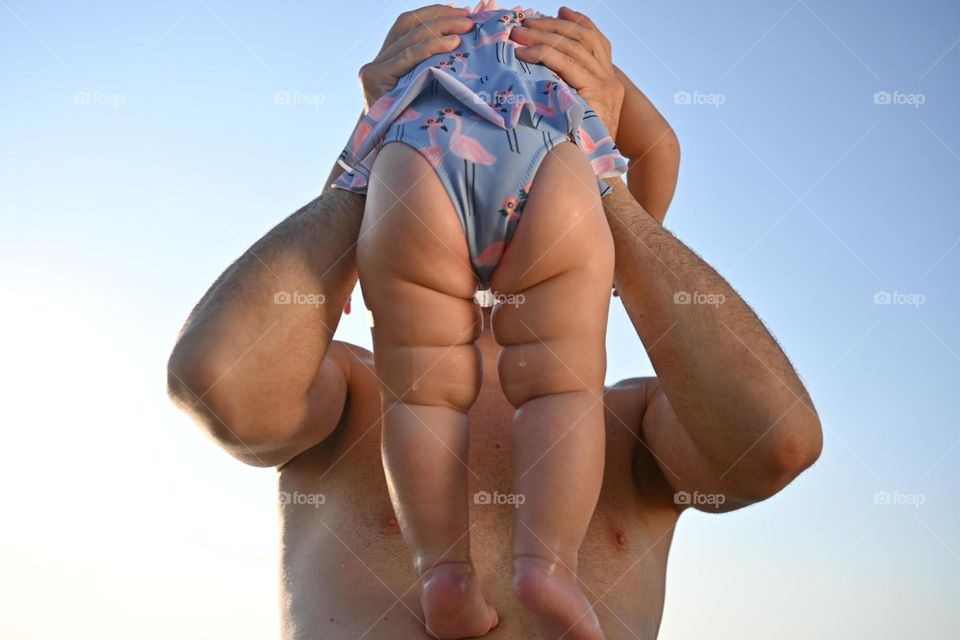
(484, 120)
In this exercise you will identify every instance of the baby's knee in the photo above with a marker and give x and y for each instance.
(533, 370)
(431, 376)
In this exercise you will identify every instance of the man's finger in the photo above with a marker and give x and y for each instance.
(400, 64)
(589, 38)
(434, 29)
(562, 64)
(410, 20)
(584, 20)
(572, 48)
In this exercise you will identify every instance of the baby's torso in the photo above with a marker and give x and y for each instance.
(346, 572)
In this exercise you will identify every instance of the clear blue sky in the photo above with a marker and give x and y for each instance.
(142, 148)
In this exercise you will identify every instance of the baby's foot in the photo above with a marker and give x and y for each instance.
(452, 603)
(551, 593)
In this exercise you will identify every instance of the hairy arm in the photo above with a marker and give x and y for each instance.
(251, 364)
(728, 414)
(254, 363)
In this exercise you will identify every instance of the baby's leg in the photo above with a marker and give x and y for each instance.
(417, 281)
(552, 368)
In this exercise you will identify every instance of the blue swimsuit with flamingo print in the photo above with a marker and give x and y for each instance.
(484, 120)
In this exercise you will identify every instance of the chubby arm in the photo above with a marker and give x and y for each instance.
(573, 46)
(728, 414)
(650, 143)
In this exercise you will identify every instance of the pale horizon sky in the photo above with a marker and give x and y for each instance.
(143, 146)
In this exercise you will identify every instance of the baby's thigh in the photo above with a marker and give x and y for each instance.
(562, 229)
(417, 281)
(410, 231)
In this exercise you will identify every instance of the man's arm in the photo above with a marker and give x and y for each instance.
(728, 414)
(251, 364)
(254, 364)
(572, 46)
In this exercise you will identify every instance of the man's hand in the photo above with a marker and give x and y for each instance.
(415, 36)
(573, 47)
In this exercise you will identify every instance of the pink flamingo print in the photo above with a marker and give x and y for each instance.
(510, 208)
(513, 205)
(363, 130)
(490, 256)
(606, 164)
(462, 145)
(589, 144)
(549, 109)
(500, 36)
(461, 57)
(445, 65)
(433, 153)
(400, 122)
(379, 108)
(409, 115)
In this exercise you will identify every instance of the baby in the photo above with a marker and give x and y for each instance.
(488, 141)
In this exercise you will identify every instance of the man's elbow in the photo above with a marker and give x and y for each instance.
(195, 385)
(786, 454)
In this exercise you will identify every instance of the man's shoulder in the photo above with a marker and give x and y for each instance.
(628, 396)
(625, 407)
(359, 370)
(351, 353)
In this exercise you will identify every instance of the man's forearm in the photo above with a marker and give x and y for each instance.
(727, 380)
(249, 354)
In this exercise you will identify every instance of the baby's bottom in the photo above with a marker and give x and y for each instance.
(417, 281)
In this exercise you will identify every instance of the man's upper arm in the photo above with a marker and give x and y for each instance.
(685, 471)
(327, 400)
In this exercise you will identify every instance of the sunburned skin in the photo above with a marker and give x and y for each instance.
(347, 574)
